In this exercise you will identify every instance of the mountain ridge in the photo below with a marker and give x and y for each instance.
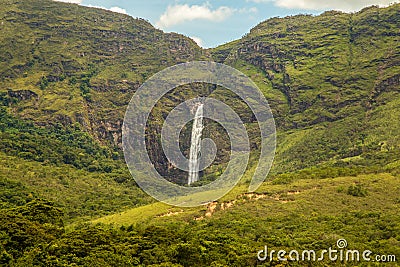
(67, 73)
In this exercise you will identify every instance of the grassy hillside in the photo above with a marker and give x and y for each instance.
(79, 193)
(331, 81)
(303, 214)
(67, 63)
(67, 73)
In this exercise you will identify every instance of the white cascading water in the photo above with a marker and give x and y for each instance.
(195, 146)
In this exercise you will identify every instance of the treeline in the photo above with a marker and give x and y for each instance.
(56, 144)
(34, 235)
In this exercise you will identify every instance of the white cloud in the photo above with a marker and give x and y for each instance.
(118, 10)
(247, 10)
(113, 9)
(70, 1)
(342, 5)
(178, 14)
(198, 40)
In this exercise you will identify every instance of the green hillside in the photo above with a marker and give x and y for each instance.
(304, 214)
(331, 80)
(66, 63)
(67, 73)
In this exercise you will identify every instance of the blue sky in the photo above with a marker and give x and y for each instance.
(214, 22)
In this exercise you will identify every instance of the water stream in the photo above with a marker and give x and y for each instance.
(195, 146)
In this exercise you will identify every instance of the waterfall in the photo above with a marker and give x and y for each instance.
(195, 146)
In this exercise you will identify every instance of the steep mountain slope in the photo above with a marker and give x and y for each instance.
(67, 73)
(67, 63)
(332, 81)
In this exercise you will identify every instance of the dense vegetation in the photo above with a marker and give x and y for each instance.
(67, 73)
(63, 164)
(68, 64)
(305, 214)
(332, 82)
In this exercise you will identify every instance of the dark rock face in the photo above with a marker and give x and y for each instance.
(23, 95)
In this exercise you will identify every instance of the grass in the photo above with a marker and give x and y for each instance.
(303, 214)
(320, 196)
(81, 194)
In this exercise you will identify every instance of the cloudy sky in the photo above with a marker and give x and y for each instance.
(214, 22)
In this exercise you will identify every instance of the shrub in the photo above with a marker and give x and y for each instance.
(357, 191)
